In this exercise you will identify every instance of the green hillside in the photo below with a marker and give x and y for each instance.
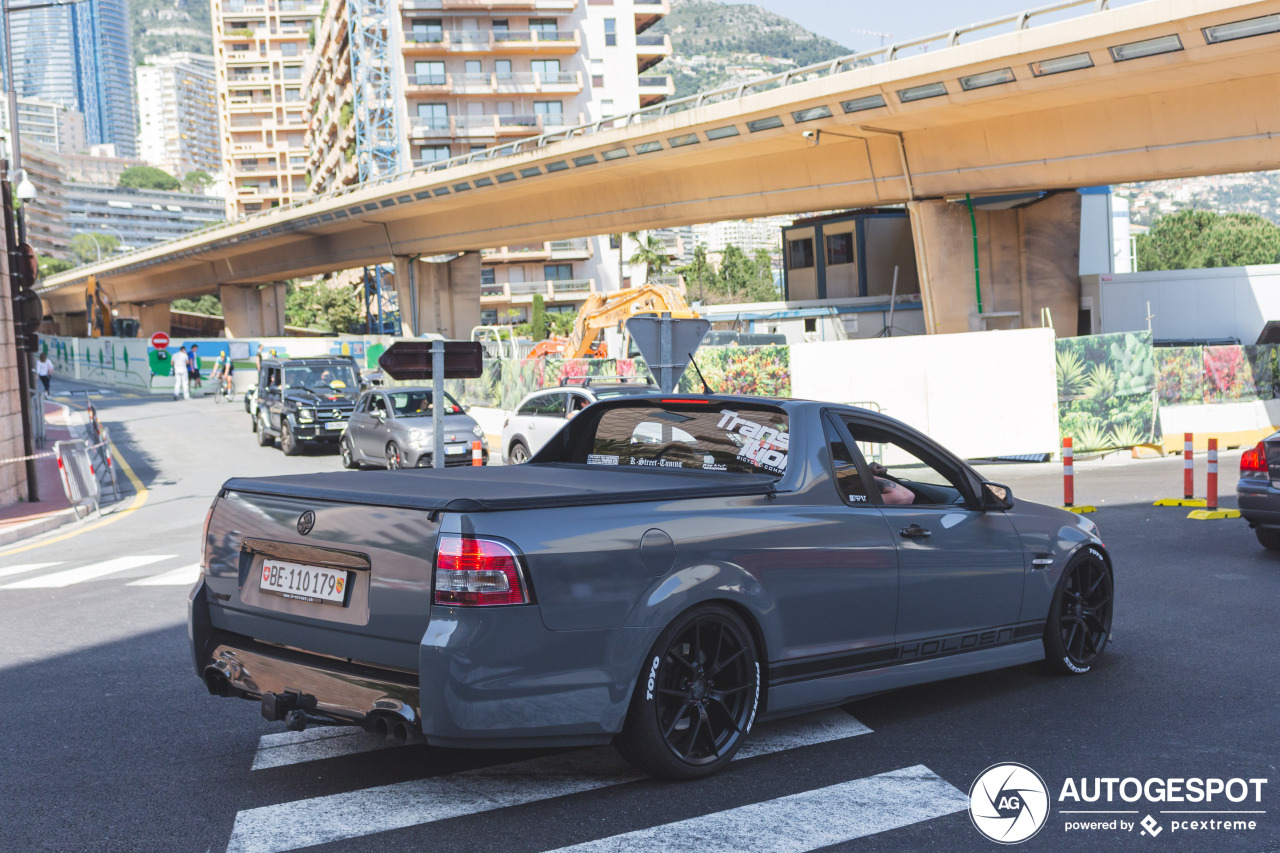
(163, 26)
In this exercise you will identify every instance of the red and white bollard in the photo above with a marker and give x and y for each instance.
(476, 458)
(1211, 484)
(1188, 467)
(1068, 474)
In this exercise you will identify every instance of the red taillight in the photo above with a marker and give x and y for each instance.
(479, 572)
(1254, 459)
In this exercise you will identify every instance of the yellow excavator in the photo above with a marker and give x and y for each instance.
(602, 310)
(97, 306)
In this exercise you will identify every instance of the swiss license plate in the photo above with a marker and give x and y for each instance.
(455, 450)
(304, 583)
(336, 425)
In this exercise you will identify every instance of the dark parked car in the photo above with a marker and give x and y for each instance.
(1257, 492)
(663, 573)
(304, 401)
(393, 428)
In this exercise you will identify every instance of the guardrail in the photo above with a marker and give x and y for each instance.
(830, 68)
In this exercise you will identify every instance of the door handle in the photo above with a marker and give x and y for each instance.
(915, 531)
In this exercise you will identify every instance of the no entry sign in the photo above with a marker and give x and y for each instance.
(159, 340)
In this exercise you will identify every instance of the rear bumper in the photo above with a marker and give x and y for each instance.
(1259, 502)
(488, 677)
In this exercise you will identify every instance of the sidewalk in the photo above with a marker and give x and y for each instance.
(24, 520)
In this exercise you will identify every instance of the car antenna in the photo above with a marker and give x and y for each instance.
(706, 389)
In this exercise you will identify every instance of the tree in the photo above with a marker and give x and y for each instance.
(148, 178)
(538, 318)
(207, 304)
(1237, 240)
(90, 246)
(52, 266)
(699, 276)
(196, 180)
(650, 252)
(323, 305)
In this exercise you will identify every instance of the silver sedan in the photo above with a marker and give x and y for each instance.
(392, 428)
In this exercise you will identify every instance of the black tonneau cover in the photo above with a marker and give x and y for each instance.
(507, 487)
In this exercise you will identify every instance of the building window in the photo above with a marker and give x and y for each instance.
(486, 275)
(502, 68)
(433, 153)
(615, 241)
(433, 116)
(289, 48)
(610, 32)
(551, 113)
(428, 74)
(545, 70)
(597, 73)
(558, 272)
(800, 253)
(839, 249)
(544, 27)
(428, 30)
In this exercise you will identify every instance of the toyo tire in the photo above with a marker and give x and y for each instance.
(1079, 624)
(696, 697)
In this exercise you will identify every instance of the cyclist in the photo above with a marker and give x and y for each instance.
(221, 375)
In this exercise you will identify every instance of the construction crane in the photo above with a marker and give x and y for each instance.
(882, 36)
(601, 311)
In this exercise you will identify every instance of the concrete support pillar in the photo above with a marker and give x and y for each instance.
(441, 296)
(153, 317)
(253, 311)
(1028, 260)
(13, 476)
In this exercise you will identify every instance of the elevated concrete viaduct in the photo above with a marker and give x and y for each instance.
(1160, 89)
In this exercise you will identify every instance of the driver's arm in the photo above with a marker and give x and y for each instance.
(894, 494)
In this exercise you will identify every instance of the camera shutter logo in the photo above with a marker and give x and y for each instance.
(1008, 803)
(306, 521)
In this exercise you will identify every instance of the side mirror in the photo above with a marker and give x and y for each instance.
(996, 496)
(381, 416)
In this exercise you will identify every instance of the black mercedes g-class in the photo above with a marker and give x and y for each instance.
(304, 400)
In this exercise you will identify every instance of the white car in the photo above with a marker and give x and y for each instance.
(541, 414)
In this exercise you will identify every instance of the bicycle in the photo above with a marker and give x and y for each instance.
(226, 389)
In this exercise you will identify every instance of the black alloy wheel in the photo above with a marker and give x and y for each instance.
(394, 458)
(288, 441)
(696, 698)
(519, 453)
(1079, 623)
(348, 453)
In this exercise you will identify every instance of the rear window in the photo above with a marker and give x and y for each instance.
(732, 439)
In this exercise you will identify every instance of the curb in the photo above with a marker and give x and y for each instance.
(18, 531)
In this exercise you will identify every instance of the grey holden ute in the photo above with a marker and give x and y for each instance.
(663, 573)
(392, 428)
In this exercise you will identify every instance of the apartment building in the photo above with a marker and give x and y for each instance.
(177, 106)
(260, 48)
(50, 125)
(466, 76)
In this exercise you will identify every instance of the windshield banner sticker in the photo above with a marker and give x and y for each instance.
(766, 447)
(601, 459)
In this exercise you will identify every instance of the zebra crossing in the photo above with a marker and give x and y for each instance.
(797, 822)
(57, 575)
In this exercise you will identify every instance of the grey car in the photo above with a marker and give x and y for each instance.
(666, 570)
(392, 428)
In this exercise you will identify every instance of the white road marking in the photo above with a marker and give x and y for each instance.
(302, 823)
(801, 822)
(26, 567)
(87, 573)
(185, 576)
(285, 748)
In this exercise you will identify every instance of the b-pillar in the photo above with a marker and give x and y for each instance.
(1027, 259)
(439, 294)
(253, 310)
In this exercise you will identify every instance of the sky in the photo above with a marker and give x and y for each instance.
(905, 19)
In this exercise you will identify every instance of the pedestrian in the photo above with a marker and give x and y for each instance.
(44, 369)
(181, 376)
(257, 359)
(194, 369)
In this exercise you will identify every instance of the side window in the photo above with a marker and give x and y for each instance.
(530, 407)
(550, 406)
(273, 377)
(844, 469)
(905, 472)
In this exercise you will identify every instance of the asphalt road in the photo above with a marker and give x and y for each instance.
(112, 743)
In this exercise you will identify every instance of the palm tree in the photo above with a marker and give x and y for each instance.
(650, 252)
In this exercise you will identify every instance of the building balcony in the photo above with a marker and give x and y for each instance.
(501, 42)
(248, 80)
(655, 88)
(515, 293)
(649, 12)
(489, 5)
(651, 49)
(488, 126)
(529, 253)
(524, 83)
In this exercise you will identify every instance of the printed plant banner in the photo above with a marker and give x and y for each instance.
(1105, 390)
(1225, 374)
(757, 371)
